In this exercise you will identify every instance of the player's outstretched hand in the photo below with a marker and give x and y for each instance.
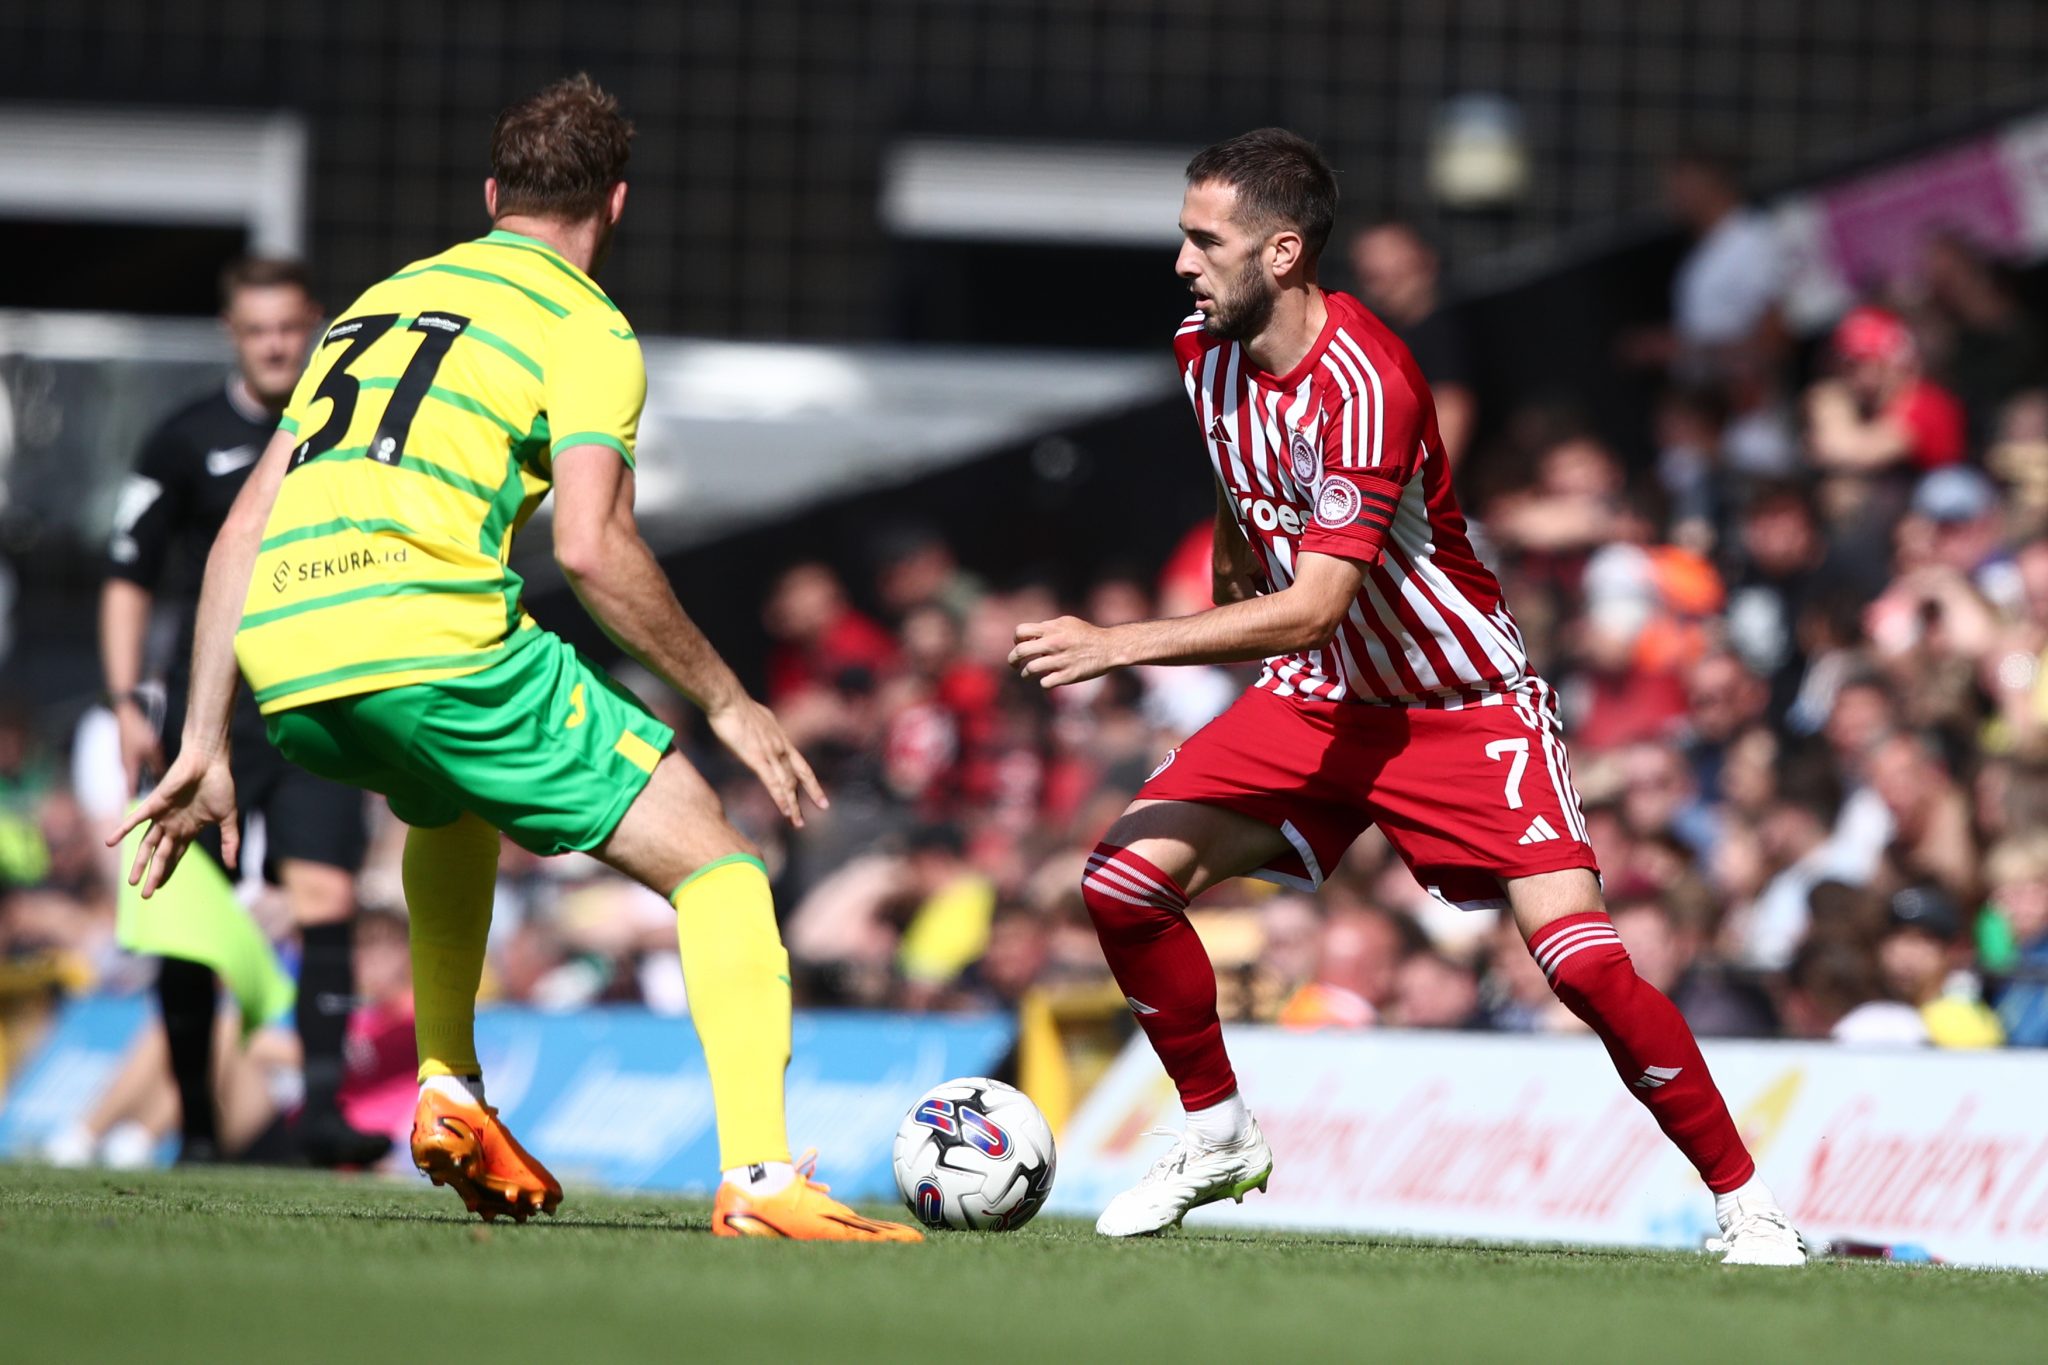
(1061, 651)
(195, 793)
(757, 739)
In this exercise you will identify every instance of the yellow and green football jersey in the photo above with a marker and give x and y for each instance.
(428, 421)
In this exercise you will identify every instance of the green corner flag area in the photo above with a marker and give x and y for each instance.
(244, 1265)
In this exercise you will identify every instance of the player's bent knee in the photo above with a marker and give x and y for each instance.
(1127, 896)
(1584, 961)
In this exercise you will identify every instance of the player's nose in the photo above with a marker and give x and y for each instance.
(1188, 264)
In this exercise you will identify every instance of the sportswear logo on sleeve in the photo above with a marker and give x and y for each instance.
(626, 335)
(1539, 832)
(575, 708)
(223, 462)
(138, 495)
(1655, 1077)
(1338, 502)
(1302, 456)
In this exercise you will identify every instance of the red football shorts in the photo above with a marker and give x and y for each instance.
(1467, 797)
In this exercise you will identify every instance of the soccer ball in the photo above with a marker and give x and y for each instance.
(974, 1154)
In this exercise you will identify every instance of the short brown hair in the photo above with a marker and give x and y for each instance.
(1280, 177)
(263, 272)
(558, 153)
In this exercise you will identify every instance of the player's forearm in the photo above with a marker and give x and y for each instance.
(626, 593)
(1859, 448)
(124, 625)
(1236, 632)
(209, 708)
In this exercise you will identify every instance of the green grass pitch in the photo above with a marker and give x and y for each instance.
(284, 1267)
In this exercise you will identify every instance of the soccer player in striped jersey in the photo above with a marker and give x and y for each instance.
(362, 580)
(1395, 692)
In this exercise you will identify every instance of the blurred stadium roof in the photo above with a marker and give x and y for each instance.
(734, 433)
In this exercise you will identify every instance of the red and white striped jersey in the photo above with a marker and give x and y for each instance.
(1341, 456)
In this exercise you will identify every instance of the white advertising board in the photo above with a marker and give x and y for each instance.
(1535, 1139)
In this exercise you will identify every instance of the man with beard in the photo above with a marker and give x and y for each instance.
(1395, 691)
(362, 582)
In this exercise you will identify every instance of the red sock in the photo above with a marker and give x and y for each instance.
(1648, 1039)
(1162, 968)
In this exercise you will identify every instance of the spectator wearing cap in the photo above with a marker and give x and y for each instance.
(1924, 956)
(1965, 520)
(1880, 411)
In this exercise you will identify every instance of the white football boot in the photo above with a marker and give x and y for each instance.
(1186, 1178)
(1755, 1231)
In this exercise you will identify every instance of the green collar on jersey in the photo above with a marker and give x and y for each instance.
(505, 236)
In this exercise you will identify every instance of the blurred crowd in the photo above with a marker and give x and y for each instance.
(1799, 629)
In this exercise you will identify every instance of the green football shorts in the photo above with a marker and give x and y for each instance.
(541, 744)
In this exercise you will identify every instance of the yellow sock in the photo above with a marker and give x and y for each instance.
(737, 975)
(450, 874)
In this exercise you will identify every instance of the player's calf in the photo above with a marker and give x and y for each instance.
(1652, 1047)
(1140, 915)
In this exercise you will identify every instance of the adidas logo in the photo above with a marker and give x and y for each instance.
(1220, 433)
(1539, 832)
(1655, 1076)
(1138, 1006)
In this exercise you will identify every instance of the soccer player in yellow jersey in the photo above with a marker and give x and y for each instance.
(362, 582)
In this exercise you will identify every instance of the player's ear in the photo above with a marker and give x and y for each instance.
(1285, 247)
(616, 205)
(491, 196)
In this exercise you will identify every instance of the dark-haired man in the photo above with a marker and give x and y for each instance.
(189, 474)
(362, 583)
(1396, 692)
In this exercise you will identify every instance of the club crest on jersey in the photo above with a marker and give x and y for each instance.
(1338, 503)
(1302, 457)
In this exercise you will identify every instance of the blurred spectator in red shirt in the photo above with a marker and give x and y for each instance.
(818, 634)
(1880, 410)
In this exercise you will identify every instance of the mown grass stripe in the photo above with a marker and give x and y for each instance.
(487, 277)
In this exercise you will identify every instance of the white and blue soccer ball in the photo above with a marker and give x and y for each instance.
(974, 1154)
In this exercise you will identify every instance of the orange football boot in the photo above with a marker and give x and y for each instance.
(802, 1211)
(461, 1144)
